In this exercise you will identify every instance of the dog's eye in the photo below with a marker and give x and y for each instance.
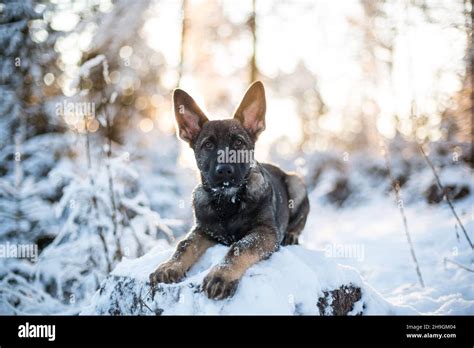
(208, 144)
(238, 143)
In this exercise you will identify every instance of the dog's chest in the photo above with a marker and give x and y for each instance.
(226, 220)
(225, 233)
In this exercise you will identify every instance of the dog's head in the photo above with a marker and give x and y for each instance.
(224, 148)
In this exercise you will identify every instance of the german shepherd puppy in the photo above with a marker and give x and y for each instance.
(251, 207)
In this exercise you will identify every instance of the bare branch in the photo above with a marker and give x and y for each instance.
(396, 186)
(445, 193)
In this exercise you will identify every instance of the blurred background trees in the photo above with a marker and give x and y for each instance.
(359, 67)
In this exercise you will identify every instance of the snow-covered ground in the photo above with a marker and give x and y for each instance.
(290, 282)
(371, 231)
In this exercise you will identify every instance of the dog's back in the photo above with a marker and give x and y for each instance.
(290, 201)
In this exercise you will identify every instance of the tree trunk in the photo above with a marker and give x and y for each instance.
(184, 29)
(252, 22)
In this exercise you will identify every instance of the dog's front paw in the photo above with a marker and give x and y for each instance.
(290, 239)
(168, 272)
(218, 284)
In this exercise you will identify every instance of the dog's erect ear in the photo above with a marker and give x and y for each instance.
(188, 115)
(251, 111)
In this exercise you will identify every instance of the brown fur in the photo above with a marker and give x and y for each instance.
(222, 280)
(188, 251)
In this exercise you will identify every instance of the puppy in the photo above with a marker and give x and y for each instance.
(251, 207)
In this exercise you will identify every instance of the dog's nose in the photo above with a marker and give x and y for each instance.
(224, 172)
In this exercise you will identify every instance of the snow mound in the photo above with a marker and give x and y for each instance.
(293, 281)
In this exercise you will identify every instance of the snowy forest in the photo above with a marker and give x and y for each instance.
(371, 102)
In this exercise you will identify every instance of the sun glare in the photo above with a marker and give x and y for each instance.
(418, 55)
